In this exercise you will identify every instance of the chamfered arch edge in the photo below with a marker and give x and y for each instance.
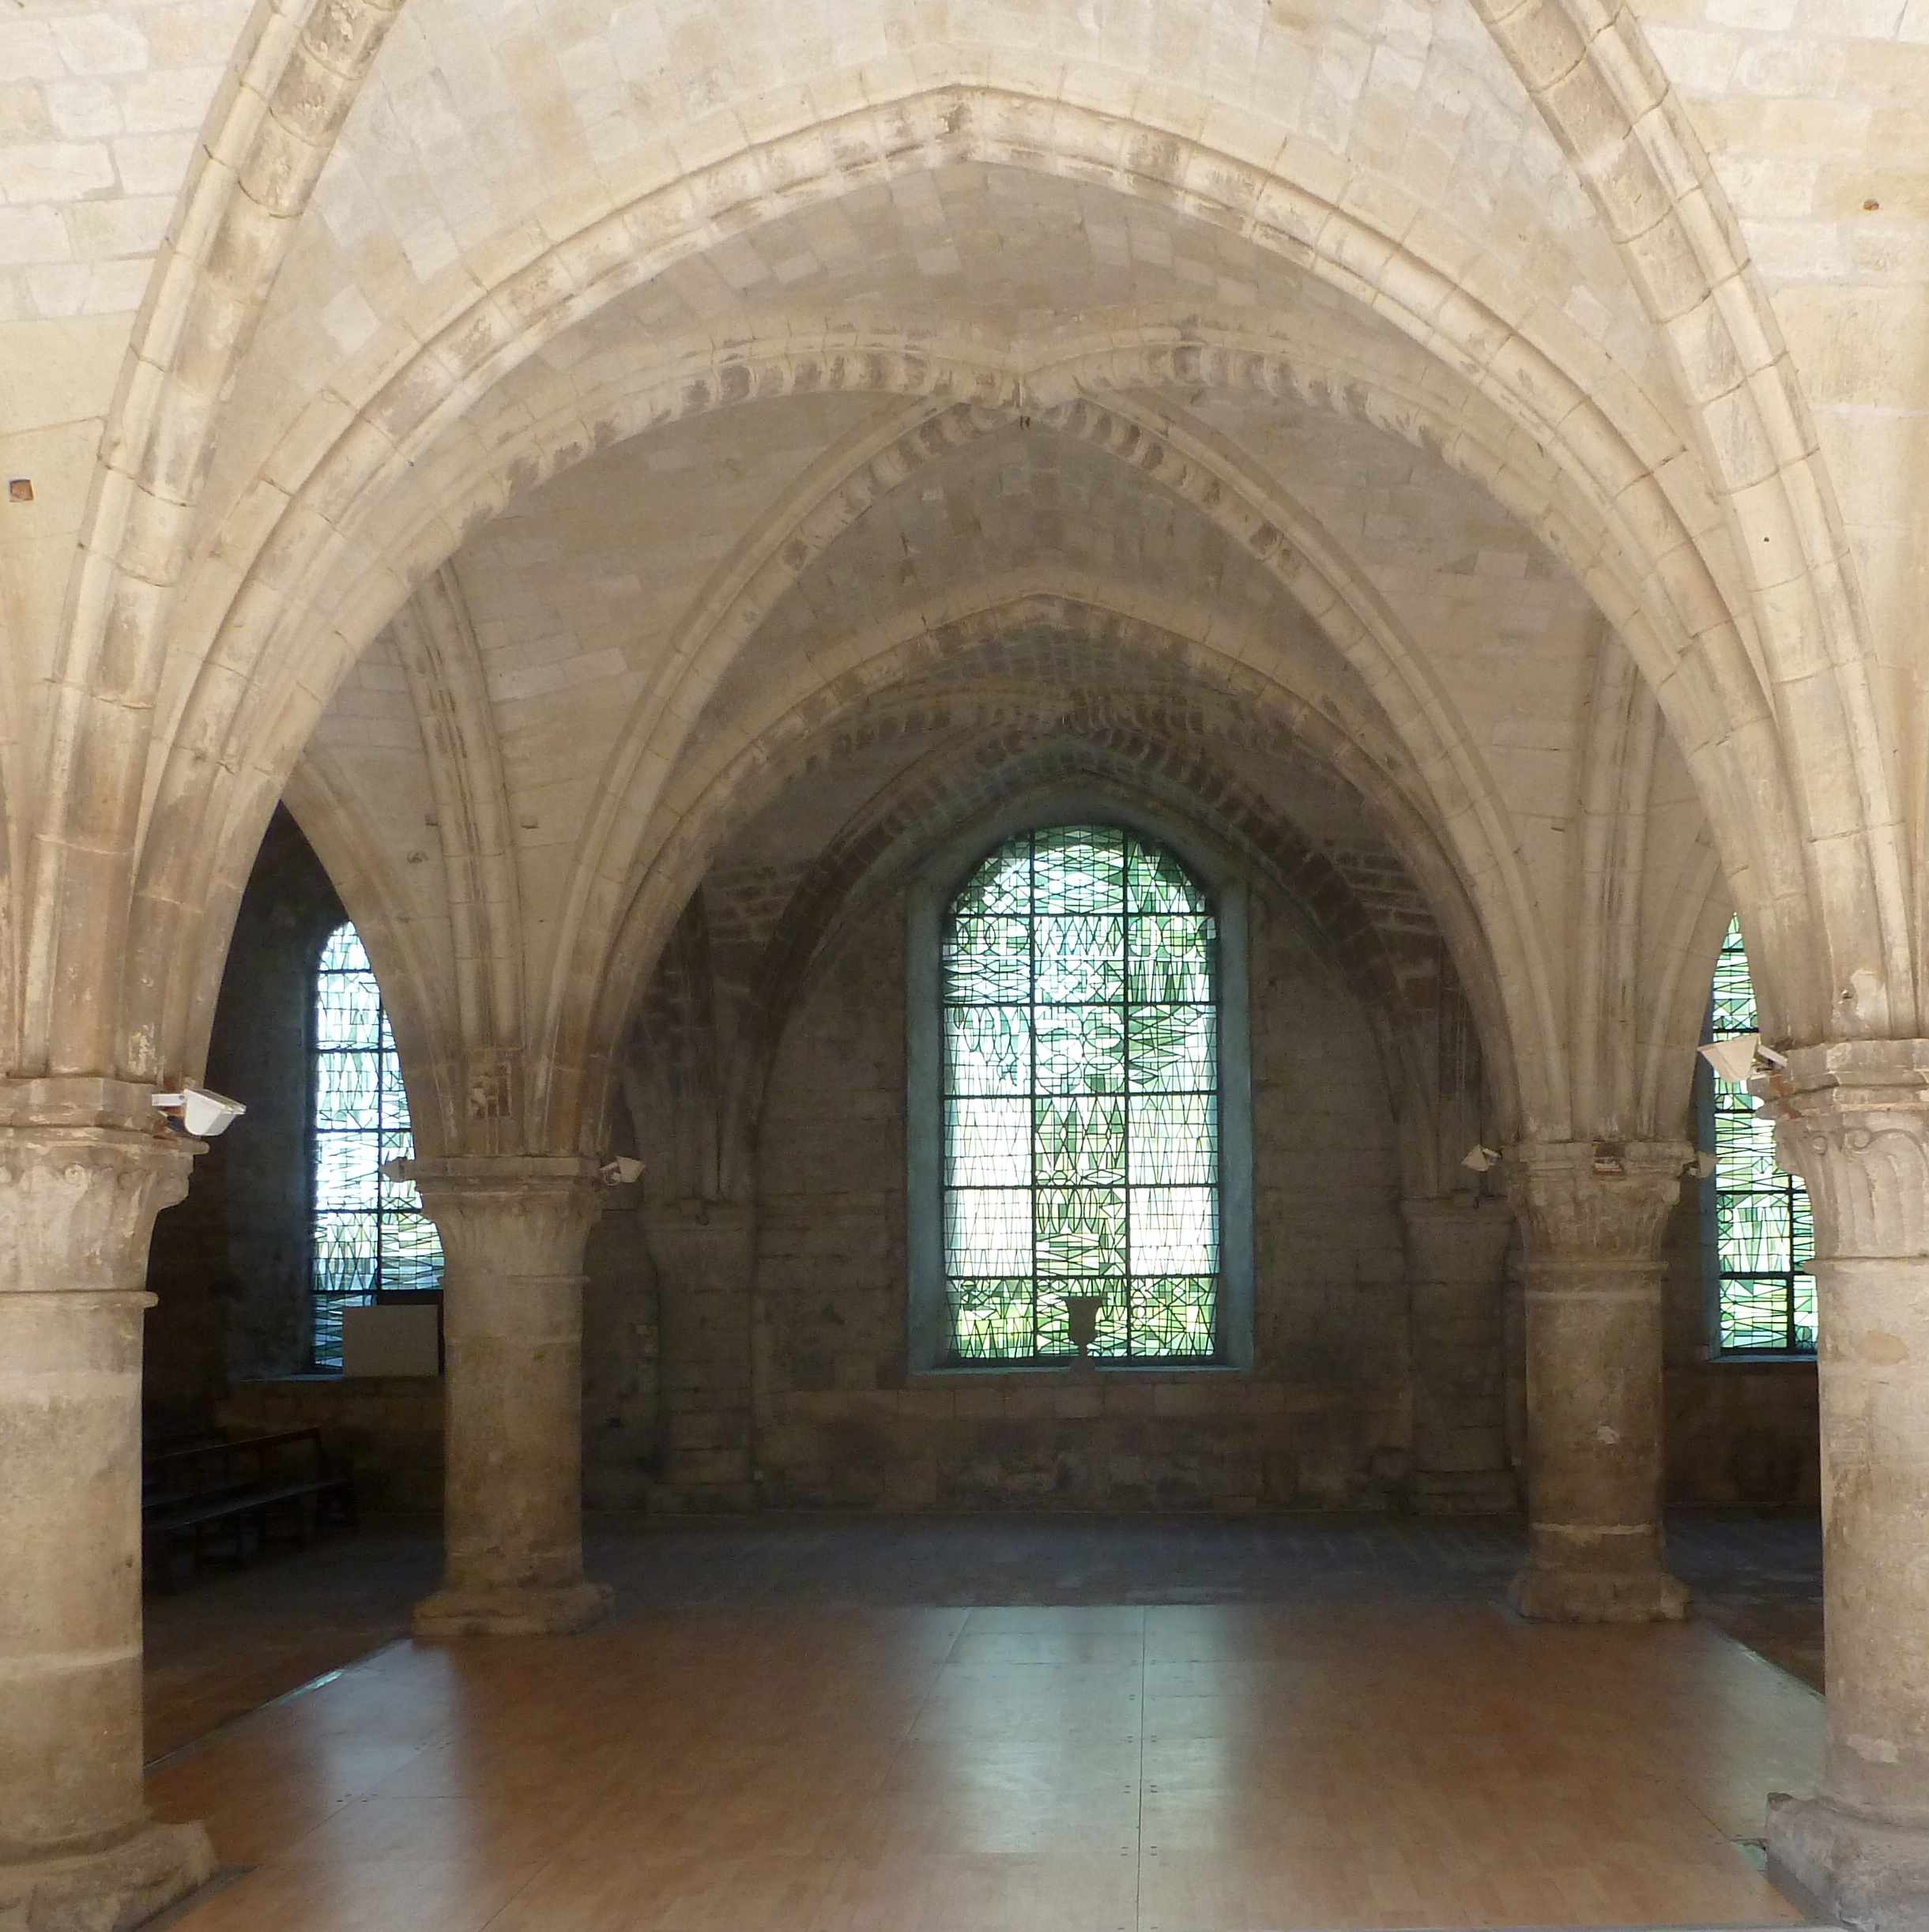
(1371, 292)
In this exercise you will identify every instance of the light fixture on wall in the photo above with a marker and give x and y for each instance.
(1735, 1059)
(1479, 1159)
(200, 1112)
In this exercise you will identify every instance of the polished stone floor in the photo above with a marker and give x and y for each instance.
(1010, 1726)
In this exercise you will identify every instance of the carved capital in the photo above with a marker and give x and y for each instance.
(78, 1204)
(1605, 1202)
(1851, 1118)
(517, 1215)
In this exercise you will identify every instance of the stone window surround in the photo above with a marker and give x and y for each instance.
(931, 890)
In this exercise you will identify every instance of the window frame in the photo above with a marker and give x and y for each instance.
(314, 1134)
(1713, 1273)
(928, 901)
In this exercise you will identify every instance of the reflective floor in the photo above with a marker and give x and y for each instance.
(761, 1742)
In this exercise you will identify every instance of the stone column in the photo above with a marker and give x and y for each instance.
(1853, 1120)
(1455, 1251)
(1592, 1215)
(83, 1172)
(513, 1232)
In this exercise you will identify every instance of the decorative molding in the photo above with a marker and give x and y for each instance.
(1851, 1118)
(85, 1166)
(1596, 1203)
(518, 1218)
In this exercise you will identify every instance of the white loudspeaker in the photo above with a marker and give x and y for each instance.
(1734, 1060)
(202, 1111)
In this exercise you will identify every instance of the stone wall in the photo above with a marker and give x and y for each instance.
(745, 1345)
(784, 1364)
(387, 1428)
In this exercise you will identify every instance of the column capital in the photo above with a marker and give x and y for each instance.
(1607, 1200)
(77, 1201)
(516, 1214)
(1851, 1118)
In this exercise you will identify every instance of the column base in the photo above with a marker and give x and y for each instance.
(560, 1612)
(109, 1890)
(1871, 1876)
(1599, 1596)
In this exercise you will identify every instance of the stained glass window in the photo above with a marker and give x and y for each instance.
(1762, 1232)
(371, 1234)
(1081, 1102)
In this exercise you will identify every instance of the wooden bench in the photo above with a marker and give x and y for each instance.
(241, 1490)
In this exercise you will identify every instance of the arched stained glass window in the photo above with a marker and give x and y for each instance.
(1081, 1102)
(371, 1235)
(1762, 1235)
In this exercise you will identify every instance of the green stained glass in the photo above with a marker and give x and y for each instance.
(370, 1235)
(1763, 1234)
(1081, 1050)
(1172, 960)
(1079, 1231)
(988, 1050)
(991, 1320)
(989, 960)
(1175, 1138)
(1156, 883)
(1174, 1048)
(1078, 1139)
(1081, 1098)
(986, 1147)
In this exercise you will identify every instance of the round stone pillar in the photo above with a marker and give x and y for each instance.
(513, 1232)
(1455, 1253)
(1593, 1215)
(1853, 1120)
(83, 1172)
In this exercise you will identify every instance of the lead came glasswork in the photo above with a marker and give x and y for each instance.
(1081, 1100)
(1762, 1231)
(370, 1233)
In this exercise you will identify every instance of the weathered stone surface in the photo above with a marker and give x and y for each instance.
(122, 1885)
(1853, 1121)
(1593, 1216)
(1477, 463)
(1455, 1250)
(84, 1167)
(513, 1231)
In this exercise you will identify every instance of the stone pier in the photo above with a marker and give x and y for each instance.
(513, 1232)
(1593, 1215)
(84, 1167)
(1853, 1120)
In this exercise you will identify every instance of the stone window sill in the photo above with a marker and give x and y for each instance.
(1050, 1373)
